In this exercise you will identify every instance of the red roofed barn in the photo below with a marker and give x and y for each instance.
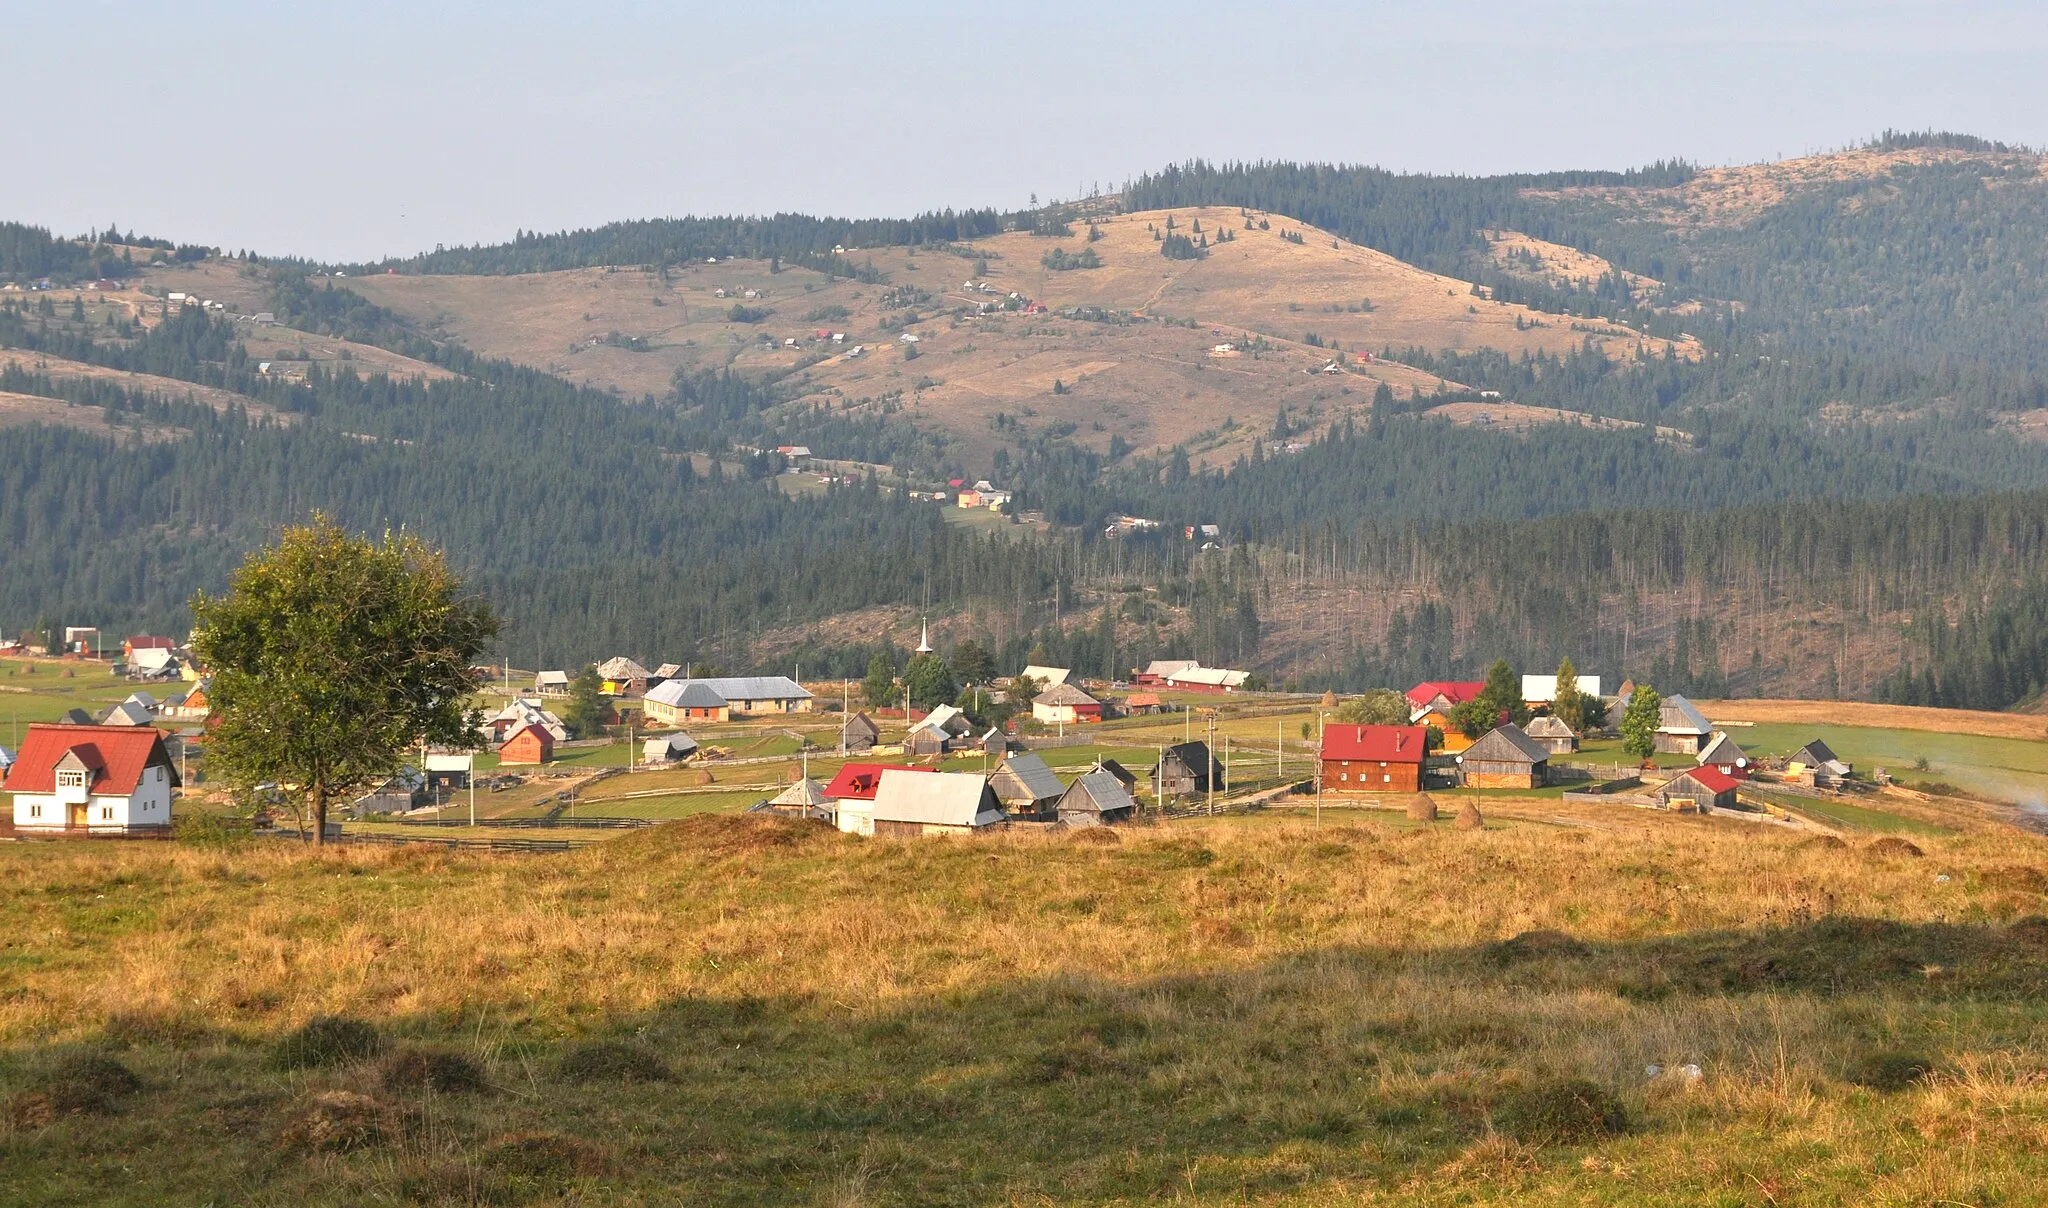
(528, 744)
(92, 780)
(1373, 759)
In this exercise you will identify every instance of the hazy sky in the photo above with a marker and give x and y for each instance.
(360, 130)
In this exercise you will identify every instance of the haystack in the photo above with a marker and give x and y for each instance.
(1469, 817)
(1421, 808)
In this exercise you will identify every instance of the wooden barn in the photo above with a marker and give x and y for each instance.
(1552, 734)
(1681, 728)
(529, 744)
(1096, 799)
(859, 734)
(1373, 759)
(1505, 758)
(1025, 785)
(910, 805)
(1722, 752)
(1702, 788)
(1186, 768)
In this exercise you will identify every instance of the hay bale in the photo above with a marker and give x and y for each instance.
(1469, 818)
(1892, 846)
(1329, 699)
(1421, 808)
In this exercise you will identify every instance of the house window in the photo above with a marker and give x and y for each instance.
(35, 811)
(71, 780)
(1384, 779)
(107, 812)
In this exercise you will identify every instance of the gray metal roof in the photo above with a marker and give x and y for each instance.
(1506, 744)
(806, 792)
(936, 798)
(1680, 716)
(753, 687)
(1097, 792)
(1064, 694)
(686, 694)
(1549, 726)
(1721, 750)
(1024, 777)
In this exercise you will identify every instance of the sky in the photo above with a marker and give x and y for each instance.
(351, 132)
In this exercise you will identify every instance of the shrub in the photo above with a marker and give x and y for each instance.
(328, 1040)
(1889, 1070)
(429, 1069)
(1568, 1112)
(612, 1061)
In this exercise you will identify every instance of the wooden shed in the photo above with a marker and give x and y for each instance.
(859, 734)
(1702, 788)
(1186, 768)
(1505, 758)
(1025, 785)
(911, 804)
(1096, 799)
(1552, 734)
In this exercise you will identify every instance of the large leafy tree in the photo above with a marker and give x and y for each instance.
(1639, 721)
(331, 656)
(879, 688)
(1500, 701)
(1379, 707)
(930, 681)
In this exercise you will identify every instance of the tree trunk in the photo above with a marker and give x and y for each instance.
(319, 814)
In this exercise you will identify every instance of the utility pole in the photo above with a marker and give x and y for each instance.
(472, 790)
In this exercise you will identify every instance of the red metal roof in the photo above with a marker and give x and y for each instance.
(858, 781)
(1456, 692)
(117, 753)
(143, 641)
(1386, 744)
(1711, 778)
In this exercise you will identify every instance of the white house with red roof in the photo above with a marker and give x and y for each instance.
(97, 780)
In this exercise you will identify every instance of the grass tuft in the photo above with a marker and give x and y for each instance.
(1890, 1070)
(338, 1122)
(611, 1061)
(1893, 847)
(435, 1070)
(328, 1040)
(543, 1156)
(1571, 1111)
(1535, 945)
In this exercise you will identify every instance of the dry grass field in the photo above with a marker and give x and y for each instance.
(60, 369)
(1863, 713)
(729, 1011)
(1133, 370)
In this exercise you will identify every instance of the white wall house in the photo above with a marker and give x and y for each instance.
(91, 780)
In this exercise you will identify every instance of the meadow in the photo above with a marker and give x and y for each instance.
(751, 1011)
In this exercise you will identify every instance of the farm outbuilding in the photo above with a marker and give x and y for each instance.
(1187, 768)
(1681, 728)
(1505, 758)
(1373, 759)
(1701, 788)
(1096, 799)
(1552, 734)
(911, 804)
(1025, 785)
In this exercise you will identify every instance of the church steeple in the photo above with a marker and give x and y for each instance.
(924, 637)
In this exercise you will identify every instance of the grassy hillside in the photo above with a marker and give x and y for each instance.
(737, 1012)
